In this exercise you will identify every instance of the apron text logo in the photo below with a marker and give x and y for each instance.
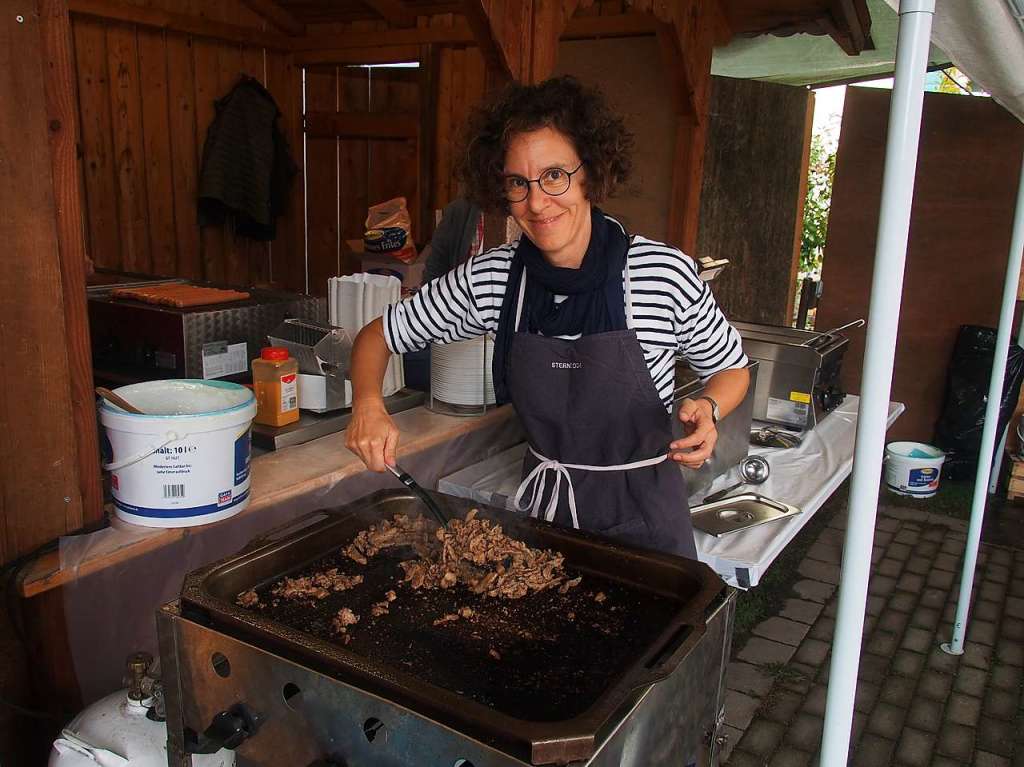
(567, 365)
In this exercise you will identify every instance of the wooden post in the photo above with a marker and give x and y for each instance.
(290, 271)
(801, 200)
(429, 65)
(40, 495)
(62, 114)
(517, 38)
(686, 35)
(549, 20)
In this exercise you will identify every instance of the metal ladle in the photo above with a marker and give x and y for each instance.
(753, 469)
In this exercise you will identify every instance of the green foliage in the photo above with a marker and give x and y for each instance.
(821, 170)
(955, 81)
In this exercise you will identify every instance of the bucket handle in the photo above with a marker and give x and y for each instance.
(172, 436)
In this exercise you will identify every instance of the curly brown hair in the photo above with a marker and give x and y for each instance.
(580, 113)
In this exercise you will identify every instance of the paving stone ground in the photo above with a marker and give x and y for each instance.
(915, 705)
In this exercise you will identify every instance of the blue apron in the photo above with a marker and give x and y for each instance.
(598, 435)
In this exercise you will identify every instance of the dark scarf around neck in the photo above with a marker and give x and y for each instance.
(594, 303)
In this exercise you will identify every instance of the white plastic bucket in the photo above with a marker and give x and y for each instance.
(186, 461)
(913, 468)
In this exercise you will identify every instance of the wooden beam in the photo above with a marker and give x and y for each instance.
(519, 40)
(318, 48)
(277, 15)
(687, 174)
(617, 25)
(723, 26)
(155, 18)
(368, 125)
(485, 24)
(850, 31)
(390, 54)
(686, 41)
(549, 20)
(675, 66)
(62, 119)
(458, 34)
(848, 22)
(39, 483)
(395, 12)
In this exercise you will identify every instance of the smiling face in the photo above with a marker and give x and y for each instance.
(559, 225)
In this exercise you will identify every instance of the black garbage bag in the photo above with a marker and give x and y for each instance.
(958, 430)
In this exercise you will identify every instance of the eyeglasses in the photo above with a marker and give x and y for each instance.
(553, 181)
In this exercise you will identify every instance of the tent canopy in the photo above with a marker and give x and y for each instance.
(981, 37)
(985, 40)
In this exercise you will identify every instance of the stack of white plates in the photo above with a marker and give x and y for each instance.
(460, 372)
(356, 300)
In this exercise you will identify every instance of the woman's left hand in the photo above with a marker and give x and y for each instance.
(701, 434)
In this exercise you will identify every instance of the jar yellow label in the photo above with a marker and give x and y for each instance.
(799, 396)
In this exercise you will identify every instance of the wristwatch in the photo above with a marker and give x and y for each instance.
(715, 412)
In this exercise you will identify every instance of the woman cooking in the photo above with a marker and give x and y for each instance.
(588, 322)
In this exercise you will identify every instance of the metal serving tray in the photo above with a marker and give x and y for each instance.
(208, 596)
(739, 512)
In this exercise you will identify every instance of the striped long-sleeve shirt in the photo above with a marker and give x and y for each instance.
(674, 312)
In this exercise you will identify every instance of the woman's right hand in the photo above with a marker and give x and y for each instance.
(373, 436)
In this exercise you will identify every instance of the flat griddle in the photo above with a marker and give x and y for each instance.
(559, 682)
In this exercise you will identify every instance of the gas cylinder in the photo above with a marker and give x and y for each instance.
(125, 729)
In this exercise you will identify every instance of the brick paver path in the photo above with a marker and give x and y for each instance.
(915, 706)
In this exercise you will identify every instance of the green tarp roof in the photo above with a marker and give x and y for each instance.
(811, 60)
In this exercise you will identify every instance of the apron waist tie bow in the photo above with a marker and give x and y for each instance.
(536, 482)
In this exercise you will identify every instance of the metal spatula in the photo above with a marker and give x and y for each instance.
(406, 479)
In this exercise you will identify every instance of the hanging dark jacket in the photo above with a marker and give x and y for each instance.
(247, 169)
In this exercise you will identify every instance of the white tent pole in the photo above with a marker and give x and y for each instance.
(883, 319)
(988, 433)
(997, 463)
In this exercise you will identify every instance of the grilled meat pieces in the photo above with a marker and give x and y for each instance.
(399, 531)
(342, 621)
(249, 599)
(316, 586)
(474, 552)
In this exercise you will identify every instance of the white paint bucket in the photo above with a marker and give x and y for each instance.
(913, 468)
(186, 461)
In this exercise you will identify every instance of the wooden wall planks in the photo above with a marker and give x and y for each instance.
(353, 166)
(322, 177)
(181, 125)
(207, 87)
(255, 262)
(288, 251)
(159, 178)
(392, 164)
(461, 79)
(104, 244)
(129, 167)
(370, 171)
(146, 100)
